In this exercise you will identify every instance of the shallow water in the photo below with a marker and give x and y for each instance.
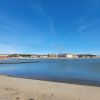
(62, 70)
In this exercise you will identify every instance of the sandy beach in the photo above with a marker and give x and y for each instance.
(25, 89)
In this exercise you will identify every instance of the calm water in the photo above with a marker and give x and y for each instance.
(62, 70)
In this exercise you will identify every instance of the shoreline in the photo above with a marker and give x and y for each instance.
(72, 81)
(12, 88)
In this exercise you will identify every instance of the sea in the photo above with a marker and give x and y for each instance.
(74, 71)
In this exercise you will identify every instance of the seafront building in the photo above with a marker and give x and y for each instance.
(71, 56)
(60, 55)
(67, 55)
(52, 55)
(86, 56)
(3, 56)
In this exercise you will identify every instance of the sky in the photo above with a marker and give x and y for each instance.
(50, 26)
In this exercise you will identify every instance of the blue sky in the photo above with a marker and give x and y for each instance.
(50, 26)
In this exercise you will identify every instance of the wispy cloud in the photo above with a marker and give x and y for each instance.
(9, 25)
(5, 48)
(6, 28)
(96, 3)
(84, 24)
(82, 28)
(51, 27)
(37, 8)
(9, 35)
(89, 26)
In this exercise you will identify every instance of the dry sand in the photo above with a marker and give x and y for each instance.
(25, 89)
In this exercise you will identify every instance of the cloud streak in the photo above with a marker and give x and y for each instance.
(51, 27)
(37, 8)
(8, 49)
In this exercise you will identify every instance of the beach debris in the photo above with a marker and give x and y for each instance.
(17, 98)
(31, 99)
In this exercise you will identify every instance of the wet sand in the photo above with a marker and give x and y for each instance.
(26, 89)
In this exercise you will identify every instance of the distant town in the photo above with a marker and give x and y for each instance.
(36, 56)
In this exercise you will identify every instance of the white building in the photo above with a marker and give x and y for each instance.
(71, 56)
